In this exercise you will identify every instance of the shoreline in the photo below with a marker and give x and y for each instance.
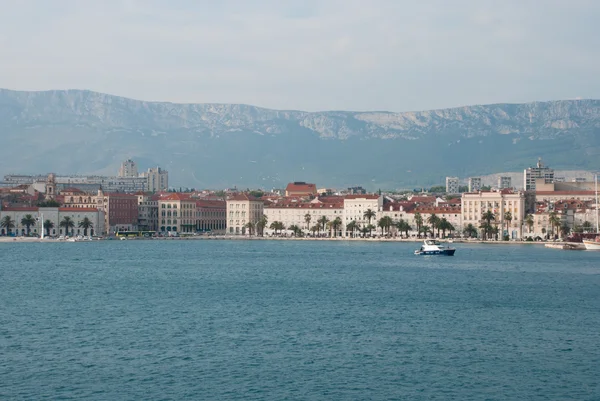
(253, 238)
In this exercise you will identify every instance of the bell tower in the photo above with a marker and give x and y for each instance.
(51, 186)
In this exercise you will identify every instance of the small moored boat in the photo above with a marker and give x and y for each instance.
(433, 247)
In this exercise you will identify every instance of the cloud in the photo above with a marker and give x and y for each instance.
(311, 55)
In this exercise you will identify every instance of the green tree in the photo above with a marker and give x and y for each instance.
(48, 225)
(508, 218)
(261, 224)
(425, 230)
(257, 193)
(307, 219)
(470, 230)
(419, 223)
(554, 221)
(67, 223)
(445, 225)
(295, 229)
(323, 220)
(565, 230)
(369, 214)
(277, 226)
(352, 226)
(28, 221)
(434, 221)
(403, 226)
(86, 224)
(587, 226)
(335, 225)
(315, 228)
(250, 228)
(8, 224)
(370, 228)
(48, 203)
(529, 222)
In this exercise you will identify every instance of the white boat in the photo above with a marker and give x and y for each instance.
(594, 244)
(433, 247)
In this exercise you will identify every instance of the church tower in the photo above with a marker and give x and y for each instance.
(51, 187)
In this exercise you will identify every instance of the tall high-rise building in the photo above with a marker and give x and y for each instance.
(533, 173)
(474, 184)
(128, 169)
(452, 185)
(504, 182)
(158, 179)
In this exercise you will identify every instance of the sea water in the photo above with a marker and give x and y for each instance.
(297, 320)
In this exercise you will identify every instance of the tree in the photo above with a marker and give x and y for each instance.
(403, 226)
(307, 219)
(565, 230)
(335, 224)
(587, 226)
(315, 228)
(487, 229)
(470, 230)
(8, 224)
(419, 223)
(323, 220)
(381, 224)
(277, 226)
(86, 224)
(554, 222)
(67, 223)
(48, 225)
(351, 227)
(508, 217)
(48, 203)
(295, 229)
(369, 214)
(250, 228)
(425, 230)
(434, 221)
(444, 225)
(27, 221)
(260, 225)
(487, 226)
(257, 193)
(370, 228)
(529, 222)
(366, 230)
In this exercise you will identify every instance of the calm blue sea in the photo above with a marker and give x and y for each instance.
(285, 320)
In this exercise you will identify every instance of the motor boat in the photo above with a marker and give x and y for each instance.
(592, 244)
(433, 247)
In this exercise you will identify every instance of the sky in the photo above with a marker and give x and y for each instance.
(309, 55)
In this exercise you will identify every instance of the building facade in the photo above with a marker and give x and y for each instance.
(531, 174)
(300, 188)
(55, 216)
(211, 216)
(504, 182)
(157, 179)
(241, 210)
(177, 214)
(452, 185)
(474, 184)
(474, 205)
(128, 169)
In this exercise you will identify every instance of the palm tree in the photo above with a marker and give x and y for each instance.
(565, 230)
(366, 230)
(487, 218)
(381, 224)
(529, 222)
(307, 219)
(587, 226)
(323, 222)
(276, 225)
(434, 220)
(295, 229)
(27, 221)
(419, 223)
(315, 228)
(335, 224)
(470, 230)
(250, 227)
(554, 222)
(48, 225)
(261, 224)
(508, 217)
(444, 225)
(403, 226)
(369, 214)
(370, 228)
(67, 223)
(8, 224)
(351, 227)
(425, 230)
(85, 224)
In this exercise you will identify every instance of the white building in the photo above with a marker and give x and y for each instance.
(474, 184)
(531, 174)
(504, 182)
(55, 216)
(241, 210)
(128, 169)
(452, 185)
(157, 179)
(294, 213)
(474, 205)
(355, 207)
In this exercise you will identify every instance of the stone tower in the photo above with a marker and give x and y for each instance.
(51, 186)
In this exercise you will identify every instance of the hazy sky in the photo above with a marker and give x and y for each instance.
(311, 55)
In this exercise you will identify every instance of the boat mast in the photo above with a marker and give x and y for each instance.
(596, 187)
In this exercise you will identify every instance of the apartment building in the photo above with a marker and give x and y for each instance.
(531, 174)
(474, 184)
(294, 213)
(473, 205)
(241, 210)
(211, 216)
(504, 182)
(355, 207)
(452, 185)
(54, 215)
(300, 188)
(177, 213)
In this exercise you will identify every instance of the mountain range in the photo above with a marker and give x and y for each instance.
(225, 145)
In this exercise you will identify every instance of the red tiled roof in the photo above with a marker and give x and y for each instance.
(361, 197)
(77, 209)
(73, 190)
(301, 187)
(572, 193)
(306, 205)
(243, 197)
(215, 204)
(20, 209)
(175, 197)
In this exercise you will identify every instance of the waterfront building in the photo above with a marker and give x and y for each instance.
(294, 213)
(55, 215)
(147, 211)
(531, 174)
(177, 213)
(128, 169)
(300, 188)
(474, 205)
(211, 216)
(504, 182)
(474, 184)
(452, 185)
(355, 207)
(241, 210)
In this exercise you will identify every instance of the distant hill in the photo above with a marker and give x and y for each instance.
(222, 145)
